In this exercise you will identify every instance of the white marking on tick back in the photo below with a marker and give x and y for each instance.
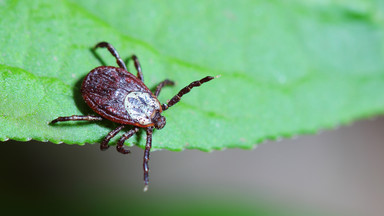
(141, 107)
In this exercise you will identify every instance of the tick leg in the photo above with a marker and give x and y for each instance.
(76, 118)
(185, 90)
(113, 51)
(148, 147)
(119, 147)
(162, 84)
(104, 145)
(138, 68)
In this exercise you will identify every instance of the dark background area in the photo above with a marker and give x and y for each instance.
(337, 171)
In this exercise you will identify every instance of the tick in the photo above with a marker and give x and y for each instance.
(119, 96)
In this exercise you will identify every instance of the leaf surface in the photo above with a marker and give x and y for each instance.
(286, 68)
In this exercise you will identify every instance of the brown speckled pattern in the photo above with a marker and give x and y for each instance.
(105, 88)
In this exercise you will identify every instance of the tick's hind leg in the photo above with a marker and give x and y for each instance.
(138, 68)
(76, 118)
(120, 144)
(104, 145)
(162, 84)
(113, 51)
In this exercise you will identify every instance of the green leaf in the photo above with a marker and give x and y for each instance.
(286, 68)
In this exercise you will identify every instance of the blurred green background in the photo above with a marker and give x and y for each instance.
(333, 173)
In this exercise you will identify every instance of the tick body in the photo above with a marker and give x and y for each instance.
(119, 96)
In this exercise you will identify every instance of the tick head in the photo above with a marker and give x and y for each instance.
(159, 121)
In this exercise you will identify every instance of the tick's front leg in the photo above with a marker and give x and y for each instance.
(185, 90)
(148, 147)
